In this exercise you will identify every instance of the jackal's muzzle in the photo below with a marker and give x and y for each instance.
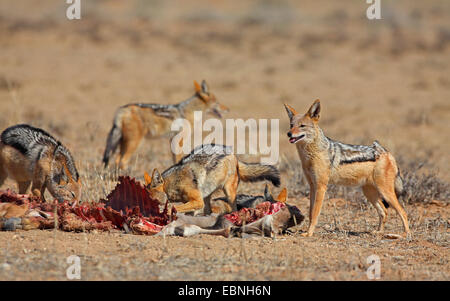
(294, 139)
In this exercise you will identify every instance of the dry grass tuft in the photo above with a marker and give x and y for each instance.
(420, 186)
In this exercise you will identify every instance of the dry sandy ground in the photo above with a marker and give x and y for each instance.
(386, 80)
(338, 251)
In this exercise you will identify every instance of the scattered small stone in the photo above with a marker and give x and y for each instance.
(5, 266)
(392, 236)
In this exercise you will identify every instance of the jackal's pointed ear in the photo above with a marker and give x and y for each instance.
(157, 180)
(200, 91)
(147, 178)
(314, 110)
(282, 197)
(290, 111)
(197, 87)
(205, 87)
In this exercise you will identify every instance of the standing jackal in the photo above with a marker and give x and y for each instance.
(29, 154)
(134, 121)
(208, 168)
(325, 161)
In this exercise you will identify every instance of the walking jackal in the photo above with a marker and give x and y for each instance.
(134, 121)
(325, 161)
(29, 154)
(208, 168)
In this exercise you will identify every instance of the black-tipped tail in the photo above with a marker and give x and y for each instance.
(255, 172)
(114, 137)
(398, 186)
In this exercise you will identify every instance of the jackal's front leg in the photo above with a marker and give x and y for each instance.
(38, 189)
(316, 199)
(195, 202)
(38, 183)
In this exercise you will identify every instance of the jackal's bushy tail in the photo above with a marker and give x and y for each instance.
(114, 137)
(254, 172)
(398, 186)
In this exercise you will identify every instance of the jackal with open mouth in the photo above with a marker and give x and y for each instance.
(325, 161)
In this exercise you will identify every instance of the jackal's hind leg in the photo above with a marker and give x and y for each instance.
(385, 174)
(388, 194)
(373, 197)
(392, 200)
(127, 149)
(230, 190)
(132, 133)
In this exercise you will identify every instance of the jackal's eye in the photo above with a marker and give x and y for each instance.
(302, 125)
